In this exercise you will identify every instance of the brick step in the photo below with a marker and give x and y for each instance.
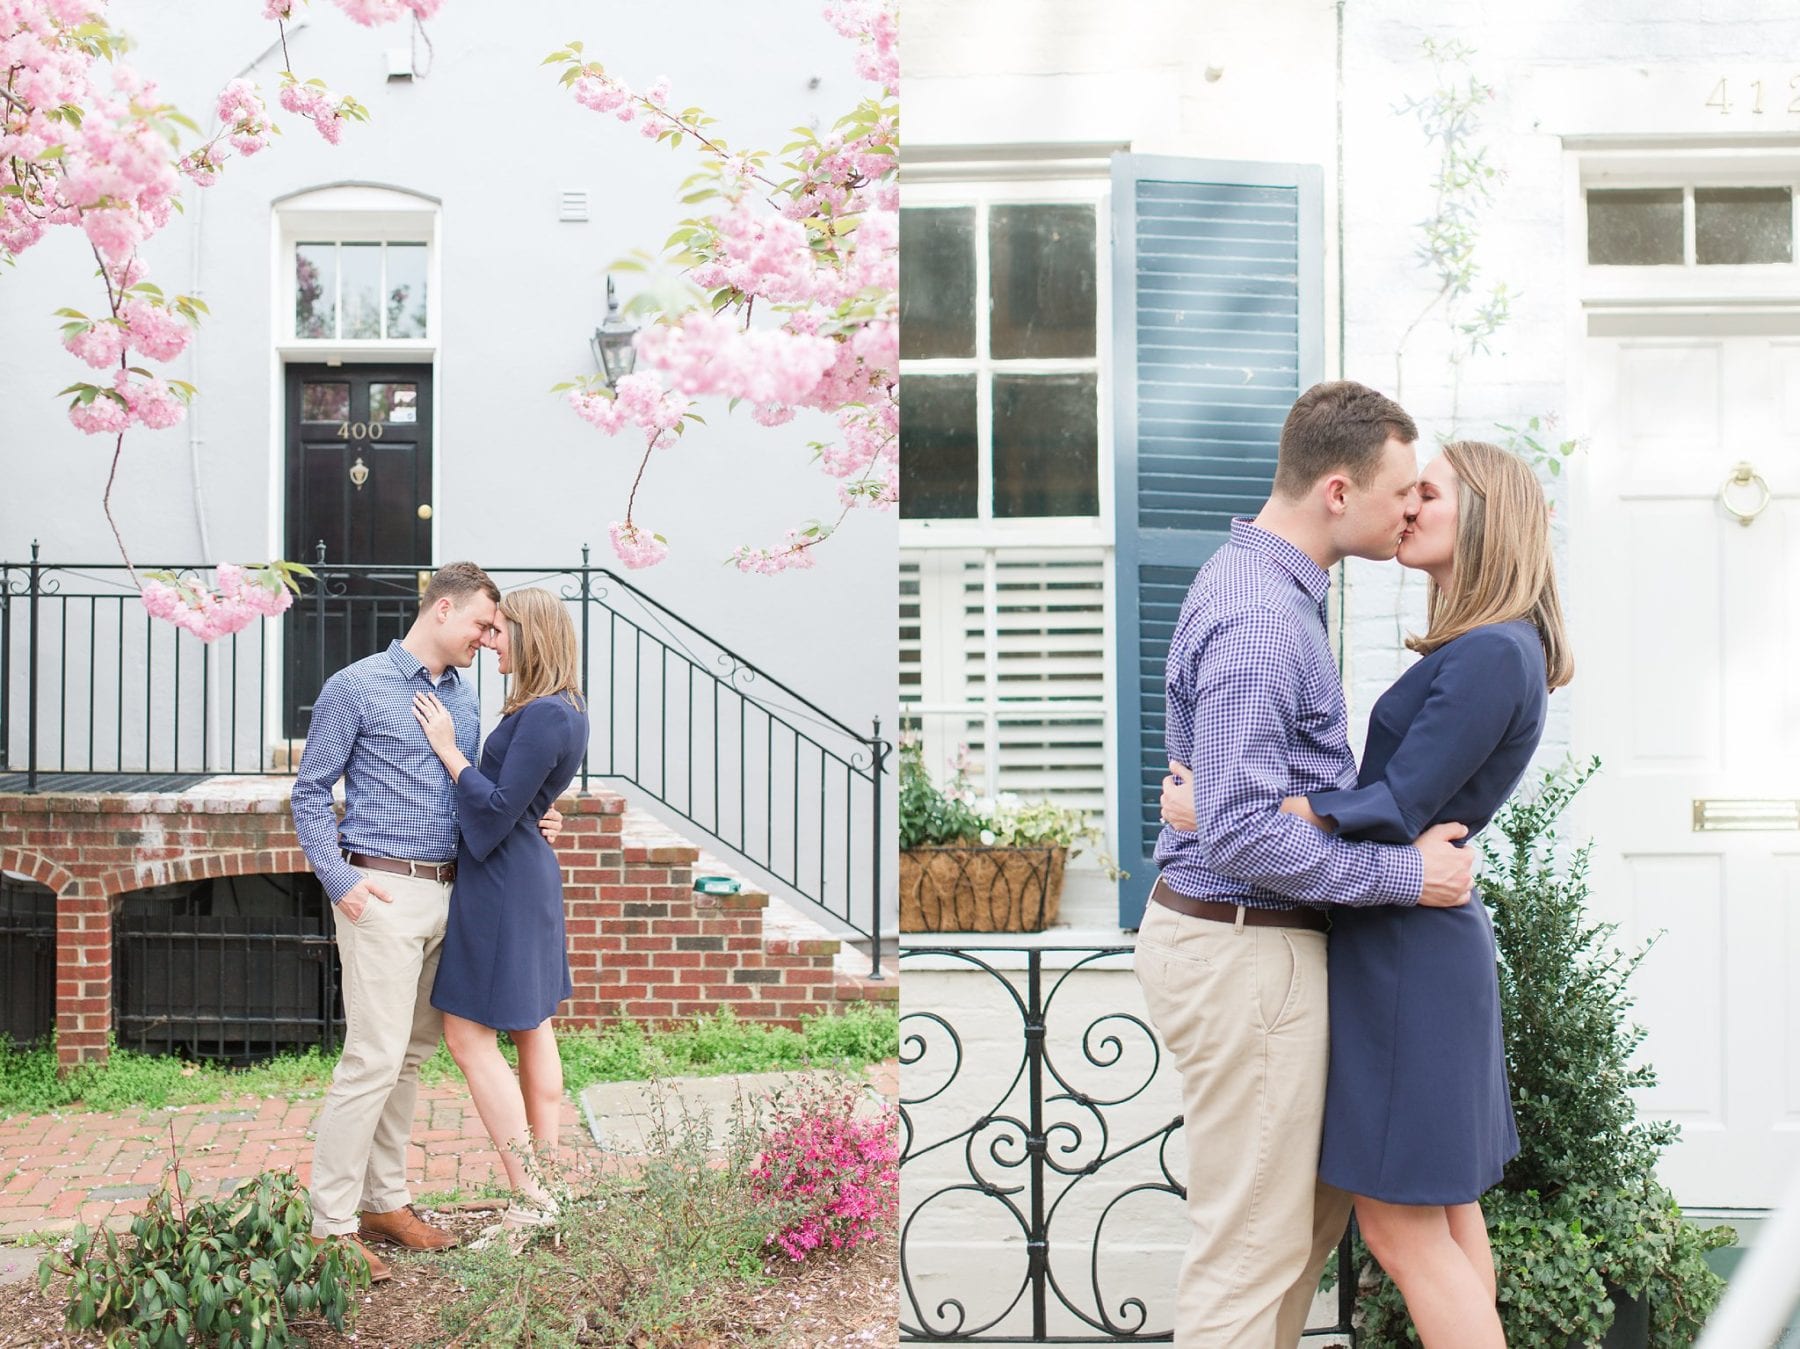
(788, 935)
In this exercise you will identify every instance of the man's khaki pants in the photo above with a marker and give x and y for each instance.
(1243, 1012)
(389, 959)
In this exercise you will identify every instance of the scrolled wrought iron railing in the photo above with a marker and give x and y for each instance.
(93, 688)
(1036, 1139)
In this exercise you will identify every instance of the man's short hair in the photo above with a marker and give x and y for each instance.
(1339, 424)
(459, 581)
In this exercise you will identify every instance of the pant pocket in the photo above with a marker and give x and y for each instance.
(1277, 978)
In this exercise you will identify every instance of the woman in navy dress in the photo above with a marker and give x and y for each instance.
(505, 963)
(1418, 1110)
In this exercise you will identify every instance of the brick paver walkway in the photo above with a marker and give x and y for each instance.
(94, 1167)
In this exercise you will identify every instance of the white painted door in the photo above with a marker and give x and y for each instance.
(1686, 629)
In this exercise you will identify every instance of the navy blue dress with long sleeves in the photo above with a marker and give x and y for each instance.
(1417, 1106)
(505, 960)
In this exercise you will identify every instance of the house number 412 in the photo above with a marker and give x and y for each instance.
(359, 430)
(1720, 97)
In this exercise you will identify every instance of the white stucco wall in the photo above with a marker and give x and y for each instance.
(1638, 73)
(520, 479)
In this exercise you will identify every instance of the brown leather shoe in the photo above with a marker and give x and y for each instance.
(378, 1269)
(403, 1227)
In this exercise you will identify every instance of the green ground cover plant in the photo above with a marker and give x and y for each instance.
(660, 1254)
(718, 1042)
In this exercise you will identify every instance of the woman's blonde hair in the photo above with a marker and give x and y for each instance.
(545, 656)
(1502, 568)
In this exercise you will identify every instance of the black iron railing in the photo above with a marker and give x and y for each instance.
(92, 686)
(1034, 1158)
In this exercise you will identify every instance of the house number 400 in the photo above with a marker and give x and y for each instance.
(359, 430)
(1720, 97)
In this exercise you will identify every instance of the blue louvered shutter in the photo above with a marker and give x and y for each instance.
(1218, 324)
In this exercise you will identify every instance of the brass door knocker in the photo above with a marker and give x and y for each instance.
(359, 474)
(1745, 476)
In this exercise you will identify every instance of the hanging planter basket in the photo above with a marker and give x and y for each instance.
(976, 889)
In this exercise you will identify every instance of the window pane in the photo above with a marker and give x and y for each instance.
(362, 289)
(406, 290)
(937, 283)
(1043, 265)
(1743, 224)
(315, 290)
(938, 473)
(324, 402)
(1640, 226)
(393, 402)
(1046, 445)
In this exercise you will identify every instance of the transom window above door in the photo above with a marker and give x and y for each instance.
(361, 290)
(1690, 226)
(1000, 374)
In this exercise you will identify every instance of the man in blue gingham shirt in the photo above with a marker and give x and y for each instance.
(1256, 708)
(1231, 953)
(388, 869)
(398, 801)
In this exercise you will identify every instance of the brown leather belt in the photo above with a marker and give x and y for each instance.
(1221, 912)
(441, 872)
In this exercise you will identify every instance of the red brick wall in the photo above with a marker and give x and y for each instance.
(641, 943)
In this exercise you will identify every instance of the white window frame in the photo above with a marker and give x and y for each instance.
(984, 530)
(356, 214)
(1612, 168)
(984, 185)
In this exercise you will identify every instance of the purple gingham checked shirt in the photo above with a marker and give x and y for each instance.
(1256, 710)
(398, 800)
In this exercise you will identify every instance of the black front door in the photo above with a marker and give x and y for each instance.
(359, 482)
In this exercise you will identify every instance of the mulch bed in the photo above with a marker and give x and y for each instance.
(833, 1304)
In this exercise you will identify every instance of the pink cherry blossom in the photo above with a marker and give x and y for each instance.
(240, 599)
(155, 331)
(636, 546)
(151, 401)
(599, 410)
(242, 112)
(642, 397)
(794, 555)
(317, 104)
(99, 344)
(103, 417)
(114, 232)
(802, 266)
(876, 27)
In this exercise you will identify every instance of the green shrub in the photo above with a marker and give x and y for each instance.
(226, 1272)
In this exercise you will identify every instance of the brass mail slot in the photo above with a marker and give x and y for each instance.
(1712, 813)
